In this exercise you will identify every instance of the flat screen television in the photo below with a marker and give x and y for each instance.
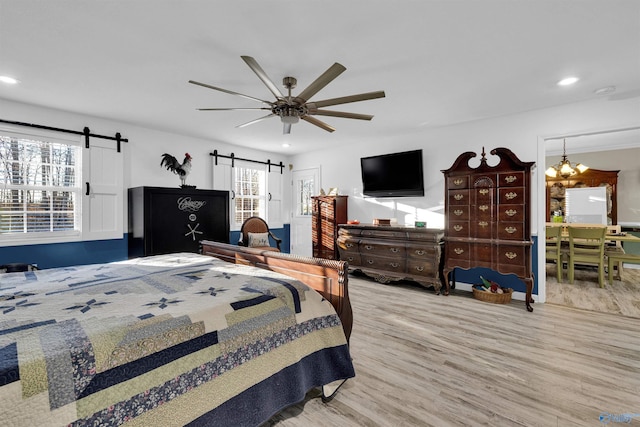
(393, 175)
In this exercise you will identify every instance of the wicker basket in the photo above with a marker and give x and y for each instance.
(504, 298)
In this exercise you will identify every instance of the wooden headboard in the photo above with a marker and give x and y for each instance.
(328, 277)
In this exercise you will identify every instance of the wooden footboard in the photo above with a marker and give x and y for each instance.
(328, 277)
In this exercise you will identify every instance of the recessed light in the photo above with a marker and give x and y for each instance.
(8, 80)
(568, 81)
(285, 145)
(605, 90)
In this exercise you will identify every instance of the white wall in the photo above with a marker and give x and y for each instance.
(145, 146)
(441, 146)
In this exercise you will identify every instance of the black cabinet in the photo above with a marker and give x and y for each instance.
(167, 220)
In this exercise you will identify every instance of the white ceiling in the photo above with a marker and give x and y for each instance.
(439, 62)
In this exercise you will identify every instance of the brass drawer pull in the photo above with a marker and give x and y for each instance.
(458, 196)
(370, 261)
(511, 195)
(511, 212)
(458, 181)
(420, 252)
(510, 230)
(457, 227)
(368, 247)
(458, 250)
(510, 255)
(458, 212)
(394, 264)
(349, 245)
(420, 268)
(484, 191)
(483, 223)
(483, 207)
(394, 250)
(350, 258)
(510, 178)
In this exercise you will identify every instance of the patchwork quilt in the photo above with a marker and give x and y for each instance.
(180, 339)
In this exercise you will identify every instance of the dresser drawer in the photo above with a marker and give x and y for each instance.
(458, 182)
(511, 230)
(511, 195)
(390, 264)
(353, 258)
(421, 268)
(428, 252)
(482, 228)
(458, 250)
(459, 213)
(484, 196)
(347, 243)
(515, 213)
(511, 255)
(458, 197)
(382, 248)
(511, 179)
(383, 234)
(459, 229)
(482, 252)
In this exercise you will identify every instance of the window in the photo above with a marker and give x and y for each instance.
(249, 186)
(253, 191)
(42, 189)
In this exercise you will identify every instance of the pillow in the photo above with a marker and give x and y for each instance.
(258, 240)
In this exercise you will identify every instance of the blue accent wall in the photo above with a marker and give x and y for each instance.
(92, 252)
(66, 254)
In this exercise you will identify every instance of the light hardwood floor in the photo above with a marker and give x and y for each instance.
(428, 360)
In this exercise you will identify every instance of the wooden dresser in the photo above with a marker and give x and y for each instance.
(327, 213)
(392, 253)
(487, 211)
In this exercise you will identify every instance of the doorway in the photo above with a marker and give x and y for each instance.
(610, 149)
(305, 185)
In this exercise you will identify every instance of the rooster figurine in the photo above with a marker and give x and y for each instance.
(180, 169)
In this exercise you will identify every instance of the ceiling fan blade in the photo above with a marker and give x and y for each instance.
(256, 120)
(231, 109)
(263, 76)
(230, 92)
(286, 130)
(340, 114)
(346, 99)
(332, 72)
(317, 122)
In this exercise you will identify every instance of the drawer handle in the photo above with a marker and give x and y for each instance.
(458, 196)
(394, 250)
(483, 223)
(350, 258)
(458, 250)
(484, 191)
(510, 178)
(483, 207)
(457, 227)
(370, 261)
(349, 245)
(511, 212)
(420, 268)
(394, 264)
(458, 212)
(368, 247)
(420, 252)
(458, 181)
(510, 255)
(510, 230)
(511, 195)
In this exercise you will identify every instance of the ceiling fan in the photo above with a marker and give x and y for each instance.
(292, 108)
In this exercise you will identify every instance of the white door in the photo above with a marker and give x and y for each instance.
(305, 184)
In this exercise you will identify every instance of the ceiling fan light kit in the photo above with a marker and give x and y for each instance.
(291, 109)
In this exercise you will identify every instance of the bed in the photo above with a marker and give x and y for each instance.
(179, 339)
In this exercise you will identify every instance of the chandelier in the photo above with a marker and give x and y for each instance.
(565, 168)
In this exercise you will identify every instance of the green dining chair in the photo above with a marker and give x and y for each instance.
(586, 246)
(553, 248)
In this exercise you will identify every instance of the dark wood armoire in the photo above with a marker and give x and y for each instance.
(327, 213)
(488, 216)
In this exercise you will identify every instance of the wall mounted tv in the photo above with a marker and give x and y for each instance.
(393, 175)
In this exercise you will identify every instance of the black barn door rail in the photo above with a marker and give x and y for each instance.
(234, 158)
